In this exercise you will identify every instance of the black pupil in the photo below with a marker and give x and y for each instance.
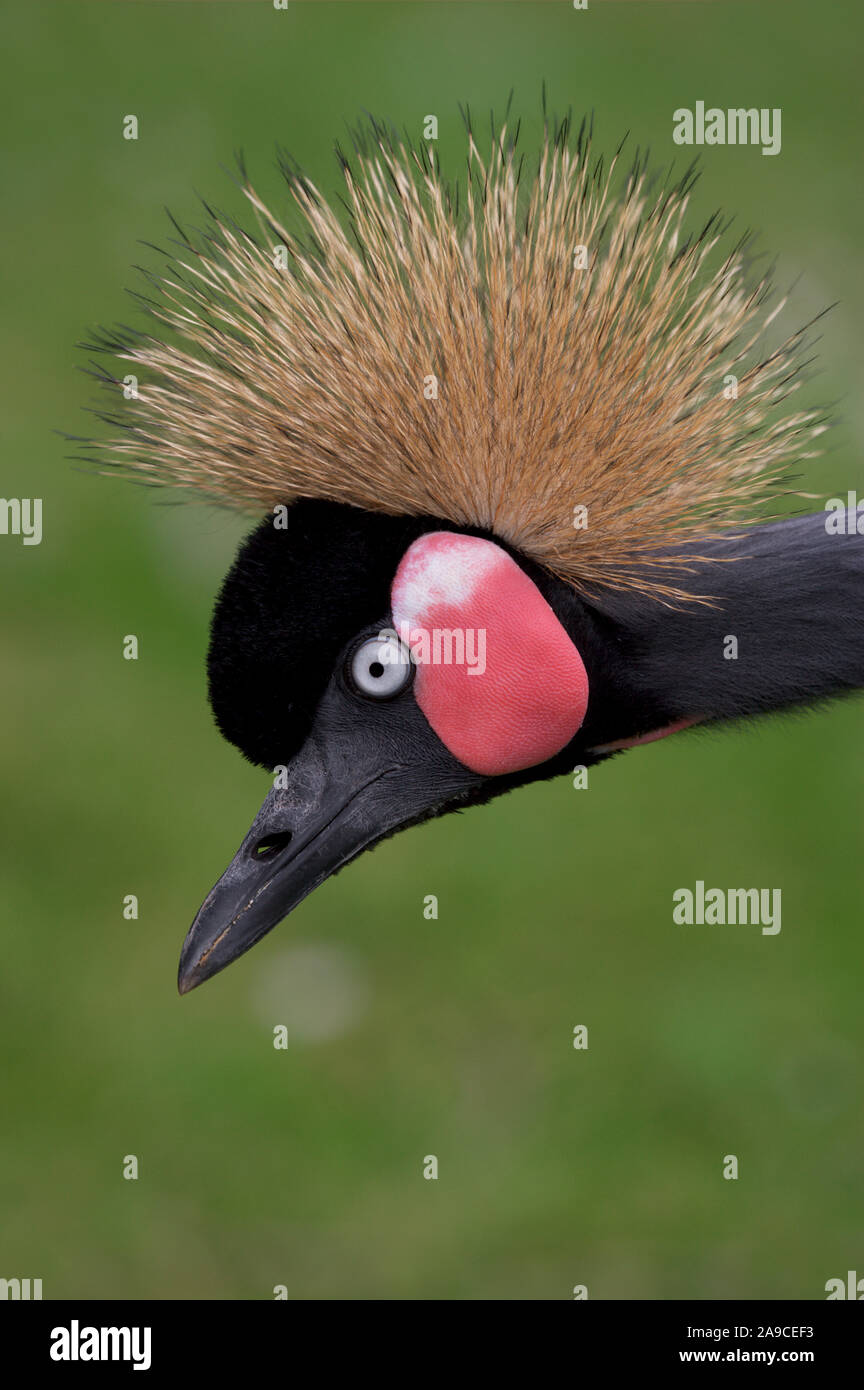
(376, 669)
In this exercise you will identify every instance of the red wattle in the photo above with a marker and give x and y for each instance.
(519, 692)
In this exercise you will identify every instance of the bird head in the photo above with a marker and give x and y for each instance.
(511, 498)
(384, 670)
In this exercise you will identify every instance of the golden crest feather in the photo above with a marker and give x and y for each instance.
(455, 354)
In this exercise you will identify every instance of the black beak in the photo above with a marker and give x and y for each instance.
(354, 781)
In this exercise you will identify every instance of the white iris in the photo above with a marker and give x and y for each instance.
(381, 667)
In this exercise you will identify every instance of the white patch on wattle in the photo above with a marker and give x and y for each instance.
(442, 568)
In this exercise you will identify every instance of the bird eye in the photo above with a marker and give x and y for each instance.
(380, 667)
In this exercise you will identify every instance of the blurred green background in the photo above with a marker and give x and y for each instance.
(303, 1167)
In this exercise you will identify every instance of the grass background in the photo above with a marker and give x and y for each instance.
(304, 1167)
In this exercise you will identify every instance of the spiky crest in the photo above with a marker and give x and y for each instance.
(556, 386)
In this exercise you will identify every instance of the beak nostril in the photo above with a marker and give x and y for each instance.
(271, 845)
